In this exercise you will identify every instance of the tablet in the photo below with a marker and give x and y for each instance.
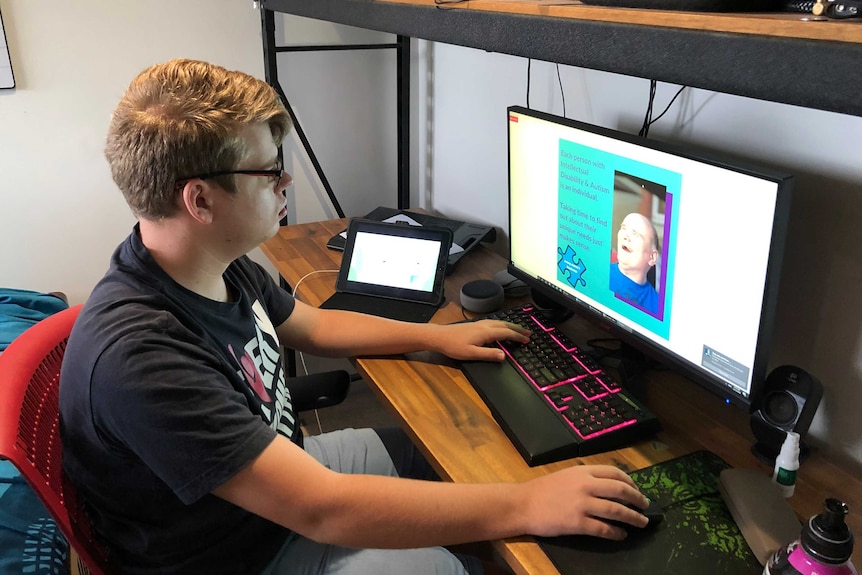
(395, 262)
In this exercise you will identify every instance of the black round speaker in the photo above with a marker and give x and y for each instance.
(780, 408)
(788, 401)
(481, 296)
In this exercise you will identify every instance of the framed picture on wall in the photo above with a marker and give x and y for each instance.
(7, 80)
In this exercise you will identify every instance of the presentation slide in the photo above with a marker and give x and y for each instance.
(609, 247)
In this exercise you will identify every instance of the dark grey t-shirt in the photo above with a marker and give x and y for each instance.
(165, 395)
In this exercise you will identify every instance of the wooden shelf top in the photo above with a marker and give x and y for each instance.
(774, 24)
(778, 57)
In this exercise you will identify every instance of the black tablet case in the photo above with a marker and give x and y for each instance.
(384, 307)
(389, 307)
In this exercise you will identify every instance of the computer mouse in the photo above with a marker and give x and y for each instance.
(653, 513)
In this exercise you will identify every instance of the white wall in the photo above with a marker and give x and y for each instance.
(345, 101)
(60, 214)
(819, 316)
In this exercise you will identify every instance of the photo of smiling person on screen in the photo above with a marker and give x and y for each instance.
(637, 253)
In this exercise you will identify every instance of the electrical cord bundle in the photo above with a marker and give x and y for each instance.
(441, 4)
(648, 119)
(559, 81)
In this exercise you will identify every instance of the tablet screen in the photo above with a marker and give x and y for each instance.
(395, 260)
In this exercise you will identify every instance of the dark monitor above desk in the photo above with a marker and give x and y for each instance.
(674, 253)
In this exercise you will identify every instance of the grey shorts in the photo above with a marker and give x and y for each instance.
(361, 451)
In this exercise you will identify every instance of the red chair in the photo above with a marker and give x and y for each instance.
(30, 430)
(30, 425)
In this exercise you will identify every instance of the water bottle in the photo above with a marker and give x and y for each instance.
(824, 548)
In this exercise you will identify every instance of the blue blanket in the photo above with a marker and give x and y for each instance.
(20, 309)
(29, 538)
(30, 541)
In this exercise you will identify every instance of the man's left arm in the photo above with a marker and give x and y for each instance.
(337, 333)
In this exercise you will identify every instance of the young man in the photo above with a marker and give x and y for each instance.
(177, 425)
(637, 253)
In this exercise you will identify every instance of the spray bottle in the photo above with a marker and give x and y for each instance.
(787, 464)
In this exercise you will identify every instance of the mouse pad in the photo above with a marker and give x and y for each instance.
(698, 534)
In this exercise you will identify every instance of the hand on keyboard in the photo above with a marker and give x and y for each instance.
(468, 340)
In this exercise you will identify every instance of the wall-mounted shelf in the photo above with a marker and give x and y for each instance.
(776, 57)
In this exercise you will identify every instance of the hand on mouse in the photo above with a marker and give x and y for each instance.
(652, 512)
(577, 501)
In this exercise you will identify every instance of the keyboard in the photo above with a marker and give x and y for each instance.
(552, 399)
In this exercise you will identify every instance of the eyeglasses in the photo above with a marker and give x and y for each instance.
(275, 175)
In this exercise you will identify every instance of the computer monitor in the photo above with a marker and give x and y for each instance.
(675, 253)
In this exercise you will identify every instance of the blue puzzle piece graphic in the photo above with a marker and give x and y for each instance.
(566, 258)
(576, 273)
(573, 270)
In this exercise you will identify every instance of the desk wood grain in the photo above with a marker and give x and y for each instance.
(448, 421)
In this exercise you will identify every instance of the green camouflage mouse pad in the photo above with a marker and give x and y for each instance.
(698, 534)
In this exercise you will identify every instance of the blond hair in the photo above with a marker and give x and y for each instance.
(182, 118)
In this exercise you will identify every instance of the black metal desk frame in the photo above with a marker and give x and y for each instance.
(402, 51)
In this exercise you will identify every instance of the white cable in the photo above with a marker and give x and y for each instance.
(302, 279)
(319, 426)
(301, 356)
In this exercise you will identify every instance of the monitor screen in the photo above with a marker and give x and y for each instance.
(676, 254)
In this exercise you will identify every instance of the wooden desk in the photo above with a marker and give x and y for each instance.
(445, 417)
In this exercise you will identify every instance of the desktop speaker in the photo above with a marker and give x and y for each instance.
(789, 400)
(482, 296)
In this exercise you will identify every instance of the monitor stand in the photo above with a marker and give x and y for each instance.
(623, 360)
(629, 364)
(551, 309)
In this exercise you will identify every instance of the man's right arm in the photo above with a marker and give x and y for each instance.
(286, 485)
